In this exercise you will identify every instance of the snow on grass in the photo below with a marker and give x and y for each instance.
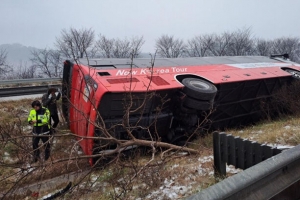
(280, 146)
(232, 170)
(205, 159)
(169, 190)
(8, 159)
(27, 128)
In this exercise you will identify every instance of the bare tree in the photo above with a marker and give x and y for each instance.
(136, 45)
(3, 55)
(219, 45)
(226, 44)
(48, 61)
(105, 46)
(263, 47)
(241, 43)
(169, 47)
(122, 48)
(4, 67)
(199, 46)
(78, 42)
(26, 72)
(290, 45)
(117, 48)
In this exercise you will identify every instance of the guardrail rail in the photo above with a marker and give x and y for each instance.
(28, 90)
(275, 178)
(35, 80)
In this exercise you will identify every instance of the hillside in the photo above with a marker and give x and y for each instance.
(17, 53)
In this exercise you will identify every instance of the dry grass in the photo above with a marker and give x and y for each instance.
(186, 173)
(193, 172)
(284, 131)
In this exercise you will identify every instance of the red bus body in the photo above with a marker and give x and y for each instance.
(97, 86)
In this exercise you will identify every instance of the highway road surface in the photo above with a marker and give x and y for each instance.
(16, 98)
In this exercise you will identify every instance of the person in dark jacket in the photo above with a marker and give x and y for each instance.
(49, 101)
(39, 117)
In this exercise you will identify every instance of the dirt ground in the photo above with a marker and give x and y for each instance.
(178, 177)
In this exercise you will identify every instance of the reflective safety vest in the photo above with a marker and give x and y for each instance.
(42, 117)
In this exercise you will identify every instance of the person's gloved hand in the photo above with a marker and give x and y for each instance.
(50, 96)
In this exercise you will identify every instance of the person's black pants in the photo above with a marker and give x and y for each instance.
(54, 117)
(35, 144)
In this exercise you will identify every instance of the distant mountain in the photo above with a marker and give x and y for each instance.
(17, 53)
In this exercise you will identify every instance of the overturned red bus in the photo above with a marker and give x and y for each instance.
(170, 97)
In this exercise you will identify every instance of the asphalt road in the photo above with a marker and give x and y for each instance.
(16, 98)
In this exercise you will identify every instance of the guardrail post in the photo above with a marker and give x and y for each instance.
(238, 152)
(267, 152)
(239, 144)
(219, 164)
(231, 150)
(224, 147)
(249, 154)
(257, 153)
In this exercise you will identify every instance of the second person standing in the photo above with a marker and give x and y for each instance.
(49, 101)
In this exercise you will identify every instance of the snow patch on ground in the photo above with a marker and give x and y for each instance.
(8, 159)
(280, 146)
(17, 98)
(174, 166)
(206, 159)
(169, 190)
(231, 169)
(27, 128)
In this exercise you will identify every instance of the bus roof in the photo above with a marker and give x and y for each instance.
(119, 63)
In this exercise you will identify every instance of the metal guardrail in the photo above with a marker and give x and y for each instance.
(238, 152)
(20, 91)
(275, 178)
(35, 80)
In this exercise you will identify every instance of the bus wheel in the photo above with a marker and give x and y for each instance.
(197, 104)
(199, 89)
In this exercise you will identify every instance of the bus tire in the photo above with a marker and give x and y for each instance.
(197, 104)
(199, 89)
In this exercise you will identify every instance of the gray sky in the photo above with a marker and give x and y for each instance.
(37, 22)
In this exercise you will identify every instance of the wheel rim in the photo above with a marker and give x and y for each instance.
(201, 85)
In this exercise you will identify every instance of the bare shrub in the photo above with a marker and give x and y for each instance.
(284, 102)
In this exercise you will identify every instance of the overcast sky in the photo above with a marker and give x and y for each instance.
(37, 22)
